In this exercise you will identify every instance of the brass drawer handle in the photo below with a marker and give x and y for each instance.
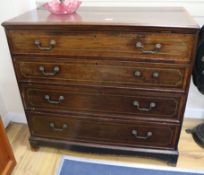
(137, 104)
(155, 75)
(148, 135)
(52, 44)
(157, 47)
(56, 69)
(52, 126)
(47, 97)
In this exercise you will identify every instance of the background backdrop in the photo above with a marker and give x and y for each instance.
(10, 103)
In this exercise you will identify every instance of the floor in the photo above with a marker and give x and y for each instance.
(46, 160)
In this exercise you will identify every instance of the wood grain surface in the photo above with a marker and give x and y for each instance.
(101, 72)
(46, 160)
(104, 131)
(118, 103)
(7, 160)
(120, 45)
(175, 17)
(126, 66)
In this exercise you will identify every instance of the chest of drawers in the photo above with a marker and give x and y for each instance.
(105, 79)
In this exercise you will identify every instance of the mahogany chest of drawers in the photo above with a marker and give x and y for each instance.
(111, 80)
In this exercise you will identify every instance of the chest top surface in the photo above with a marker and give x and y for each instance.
(171, 17)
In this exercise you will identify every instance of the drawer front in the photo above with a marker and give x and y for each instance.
(101, 131)
(115, 102)
(96, 72)
(128, 45)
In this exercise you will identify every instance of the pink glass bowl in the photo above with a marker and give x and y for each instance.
(62, 8)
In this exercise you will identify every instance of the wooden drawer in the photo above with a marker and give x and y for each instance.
(111, 132)
(102, 73)
(129, 45)
(113, 102)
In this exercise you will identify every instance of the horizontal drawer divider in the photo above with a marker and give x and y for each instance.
(65, 84)
(112, 116)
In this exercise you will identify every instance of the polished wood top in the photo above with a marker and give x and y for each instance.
(171, 17)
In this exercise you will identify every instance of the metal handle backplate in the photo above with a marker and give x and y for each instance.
(138, 74)
(147, 135)
(48, 98)
(56, 69)
(155, 74)
(52, 126)
(157, 48)
(137, 105)
(51, 45)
